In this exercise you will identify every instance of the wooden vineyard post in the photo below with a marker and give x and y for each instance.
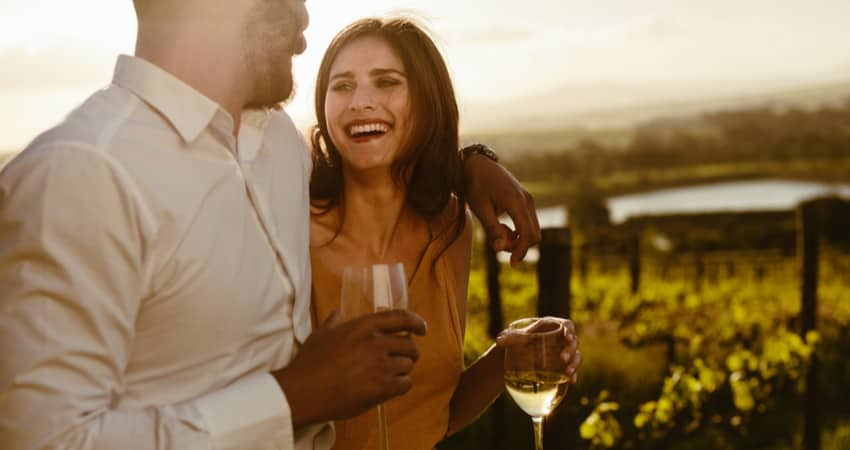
(634, 262)
(808, 227)
(554, 271)
(495, 325)
(494, 293)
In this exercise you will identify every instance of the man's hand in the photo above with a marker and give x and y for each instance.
(570, 355)
(345, 368)
(492, 191)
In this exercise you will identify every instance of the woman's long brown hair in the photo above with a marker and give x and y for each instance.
(428, 167)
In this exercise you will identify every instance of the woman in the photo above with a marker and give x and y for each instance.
(388, 186)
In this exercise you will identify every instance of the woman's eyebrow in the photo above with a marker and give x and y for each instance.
(373, 72)
(348, 74)
(377, 72)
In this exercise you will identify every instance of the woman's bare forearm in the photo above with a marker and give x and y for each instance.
(480, 384)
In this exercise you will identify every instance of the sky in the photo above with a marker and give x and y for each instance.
(54, 53)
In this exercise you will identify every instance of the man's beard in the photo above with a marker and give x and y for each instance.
(273, 89)
(266, 46)
(293, 89)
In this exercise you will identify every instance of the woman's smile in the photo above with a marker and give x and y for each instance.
(362, 131)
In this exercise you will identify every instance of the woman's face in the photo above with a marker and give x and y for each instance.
(368, 105)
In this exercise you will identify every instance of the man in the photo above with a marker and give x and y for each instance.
(154, 262)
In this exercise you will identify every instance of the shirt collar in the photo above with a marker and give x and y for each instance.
(189, 111)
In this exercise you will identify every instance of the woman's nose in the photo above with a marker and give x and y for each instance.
(362, 99)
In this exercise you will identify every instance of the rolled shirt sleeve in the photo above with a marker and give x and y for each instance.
(74, 240)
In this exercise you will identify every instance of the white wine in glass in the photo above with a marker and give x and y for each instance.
(534, 371)
(536, 393)
(371, 289)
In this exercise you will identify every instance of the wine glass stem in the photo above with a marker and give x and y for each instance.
(538, 432)
(383, 432)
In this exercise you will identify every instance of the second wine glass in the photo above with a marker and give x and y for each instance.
(370, 289)
(534, 371)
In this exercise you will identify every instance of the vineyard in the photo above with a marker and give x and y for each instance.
(706, 353)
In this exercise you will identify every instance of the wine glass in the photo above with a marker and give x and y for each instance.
(534, 371)
(371, 289)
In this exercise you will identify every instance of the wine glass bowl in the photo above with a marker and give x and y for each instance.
(368, 289)
(535, 374)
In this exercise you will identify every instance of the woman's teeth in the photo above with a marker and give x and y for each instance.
(367, 129)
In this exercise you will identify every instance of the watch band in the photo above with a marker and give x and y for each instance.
(480, 149)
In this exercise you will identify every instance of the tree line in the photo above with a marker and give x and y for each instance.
(752, 135)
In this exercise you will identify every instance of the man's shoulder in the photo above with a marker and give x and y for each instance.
(90, 125)
(47, 159)
(81, 140)
(108, 124)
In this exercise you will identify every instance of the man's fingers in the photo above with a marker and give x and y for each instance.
(498, 234)
(535, 234)
(397, 321)
(333, 319)
(398, 346)
(400, 365)
(399, 385)
(520, 248)
(502, 239)
(524, 215)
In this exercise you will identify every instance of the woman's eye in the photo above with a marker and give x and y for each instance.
(387, 82)
(341, 87)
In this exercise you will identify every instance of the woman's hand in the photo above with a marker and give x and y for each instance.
(570, 353)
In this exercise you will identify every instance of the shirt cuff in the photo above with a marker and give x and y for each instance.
(251, 413)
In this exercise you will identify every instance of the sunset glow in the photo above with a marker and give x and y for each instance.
(55, 53)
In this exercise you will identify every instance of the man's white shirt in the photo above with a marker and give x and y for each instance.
(153, 271)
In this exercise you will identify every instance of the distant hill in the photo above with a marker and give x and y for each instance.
(557, 118)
